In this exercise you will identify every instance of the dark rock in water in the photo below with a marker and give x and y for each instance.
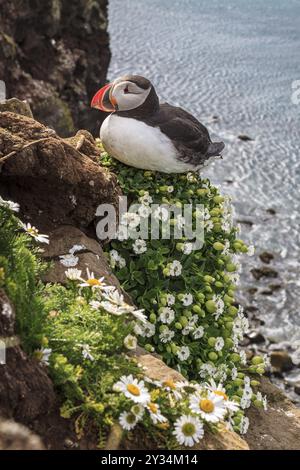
(264, 271)
(266, 257)
(251, 308)
(271, 211)
(245, 137)
(252, 290)
(55, 54)
(56, 181)
(281, 361)
(256, 337)
(245, 222)
(267, 292)
(297, 388)
(275, 287)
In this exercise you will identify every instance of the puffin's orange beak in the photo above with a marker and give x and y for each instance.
(103, 99)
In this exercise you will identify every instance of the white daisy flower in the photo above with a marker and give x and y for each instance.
(267, 361)
(219, 345)
(193, 320)
(93, 282)
(116, 259)
(180, 221)
(43, 355)
(166, 335)
(127, 420)
(130, 342)
(234, 277)
(191, 178)
(220, 390)
(219, 306)
(171, 387)
(133, 389)
(130, 219)
(146, 199)
(188, 430)
(155, 413)
(187, 248)
(114, 303)
(145, 330)
(245, 403)
(170, 299)
(187, 299)
(234, 373)
(139, 315)
(68, 260)
(139, 246)
(208, 225)
(95, 304)
(138, 411)
(73, 274)
(121, 235)
(121, 262)
(183, 353)
(251, 250)
(166, 315)
(13, 206)
(187, 330)
(86, 352)
(244, 425)
(114, 254)
(207, 370)
(76, 248)
(243, 357)
(175, 268)
(170, 189)
(144, 211)
(226, 248)
(211, 408)
(161, 213)
(247, 392)
(34, 233)
(198, 332)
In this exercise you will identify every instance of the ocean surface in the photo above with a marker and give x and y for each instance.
(232, 64)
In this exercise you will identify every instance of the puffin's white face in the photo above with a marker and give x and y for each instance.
(128, 95)
(121, 95)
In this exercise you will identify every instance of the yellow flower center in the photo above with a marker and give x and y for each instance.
(206, 405)
(133, 389)
(130, 418)
(153, 407)
(93, 282)
(188, 429)
(33, 231)
(169, 383)
(221, 394)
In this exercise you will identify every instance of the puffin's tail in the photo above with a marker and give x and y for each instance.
(215, 149)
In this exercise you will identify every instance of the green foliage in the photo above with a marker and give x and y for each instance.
(21, 270)
(194, 321)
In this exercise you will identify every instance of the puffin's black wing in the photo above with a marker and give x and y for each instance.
(188, 135)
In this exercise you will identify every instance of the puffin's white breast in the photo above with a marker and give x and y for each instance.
(136, 144)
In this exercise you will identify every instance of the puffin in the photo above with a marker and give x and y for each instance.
(144, 133)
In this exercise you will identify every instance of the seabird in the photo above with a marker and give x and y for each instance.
(143, 133)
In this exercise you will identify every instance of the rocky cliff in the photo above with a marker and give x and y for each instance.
(55, 54)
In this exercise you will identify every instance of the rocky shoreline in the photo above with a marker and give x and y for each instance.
(262, 285)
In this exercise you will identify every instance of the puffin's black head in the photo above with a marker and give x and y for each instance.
(128, 95)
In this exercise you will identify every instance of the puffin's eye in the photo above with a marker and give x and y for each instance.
(126, 90)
